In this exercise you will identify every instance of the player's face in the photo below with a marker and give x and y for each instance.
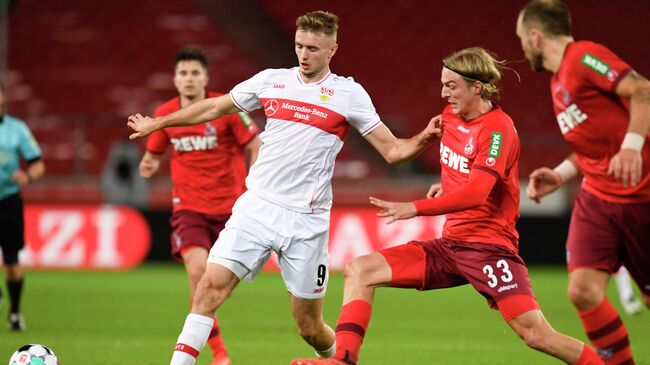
(528, 44)
(463, 96)
(190, 79)
(314, 51)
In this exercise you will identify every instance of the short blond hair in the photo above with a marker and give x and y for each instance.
(319, 22)
(477, 64)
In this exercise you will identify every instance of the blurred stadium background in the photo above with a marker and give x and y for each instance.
(76, 69)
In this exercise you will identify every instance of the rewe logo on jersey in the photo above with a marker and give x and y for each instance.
(570, 118)
(454, 160)
(194, 143)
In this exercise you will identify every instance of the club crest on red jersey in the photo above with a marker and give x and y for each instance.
(469, 147)
(210, 130)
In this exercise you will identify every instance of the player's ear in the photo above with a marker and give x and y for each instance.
(333, 49)
(477, 87)
(536, 38)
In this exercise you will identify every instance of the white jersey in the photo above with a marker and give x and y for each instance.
(305, 129)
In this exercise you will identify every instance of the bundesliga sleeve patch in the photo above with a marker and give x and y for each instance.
(595, 64)
(495, 144)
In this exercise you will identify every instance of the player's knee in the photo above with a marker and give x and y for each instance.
(356, 271)
(535, 338)
(585, 295)
(208, 296)
(14, 272)
(195, 274)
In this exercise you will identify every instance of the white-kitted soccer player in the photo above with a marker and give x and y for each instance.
(287, 206)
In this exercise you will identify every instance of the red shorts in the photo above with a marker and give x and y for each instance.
(193, 229)
(496, 272)
(605, 235)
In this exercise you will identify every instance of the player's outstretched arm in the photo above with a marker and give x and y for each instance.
(199, 112)
(471, 195)
(396, 150)
(627, 164)
(544, 181)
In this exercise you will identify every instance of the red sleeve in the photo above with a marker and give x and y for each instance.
(494, 146)
(471, 195)
(243, 127)
(157, 142)
(600, 67)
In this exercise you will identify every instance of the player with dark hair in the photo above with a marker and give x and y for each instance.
(16, 143)
(602, 107)
(208, 169)
(479, 193)
(287, 206)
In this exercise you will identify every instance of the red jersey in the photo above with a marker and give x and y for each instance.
(594, 120)
(208, 166)
(490, 143)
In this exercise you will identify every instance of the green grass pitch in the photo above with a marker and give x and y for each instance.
(102, 318)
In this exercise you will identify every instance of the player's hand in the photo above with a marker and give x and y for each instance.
(394, 210)
(142, 126)
(148, 167)
(627, 166)
(20, 177)
(434, 191)
(543, 181)
(434, 128)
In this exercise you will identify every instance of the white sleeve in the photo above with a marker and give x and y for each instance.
(361, 113)
(245, 95)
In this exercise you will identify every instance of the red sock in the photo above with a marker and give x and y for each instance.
(351, 328)
(607, 333)
(215, 341)
(589, 357)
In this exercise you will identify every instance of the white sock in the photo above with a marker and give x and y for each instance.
(326, 354)
(624, 284)
(192, 339)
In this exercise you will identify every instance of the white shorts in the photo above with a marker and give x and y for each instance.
(258, 227)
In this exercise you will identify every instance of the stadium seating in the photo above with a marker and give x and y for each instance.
(78, 68)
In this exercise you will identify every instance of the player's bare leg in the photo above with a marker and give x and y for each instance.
(600, 319)
(308, 314)
(195, 259)
(362, 276)
(538, 334)
(211, 291)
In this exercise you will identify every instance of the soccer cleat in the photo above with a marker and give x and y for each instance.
(16, 322)
(220, 359)
(632, 305)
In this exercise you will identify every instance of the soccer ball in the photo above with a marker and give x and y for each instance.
(33, 354)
